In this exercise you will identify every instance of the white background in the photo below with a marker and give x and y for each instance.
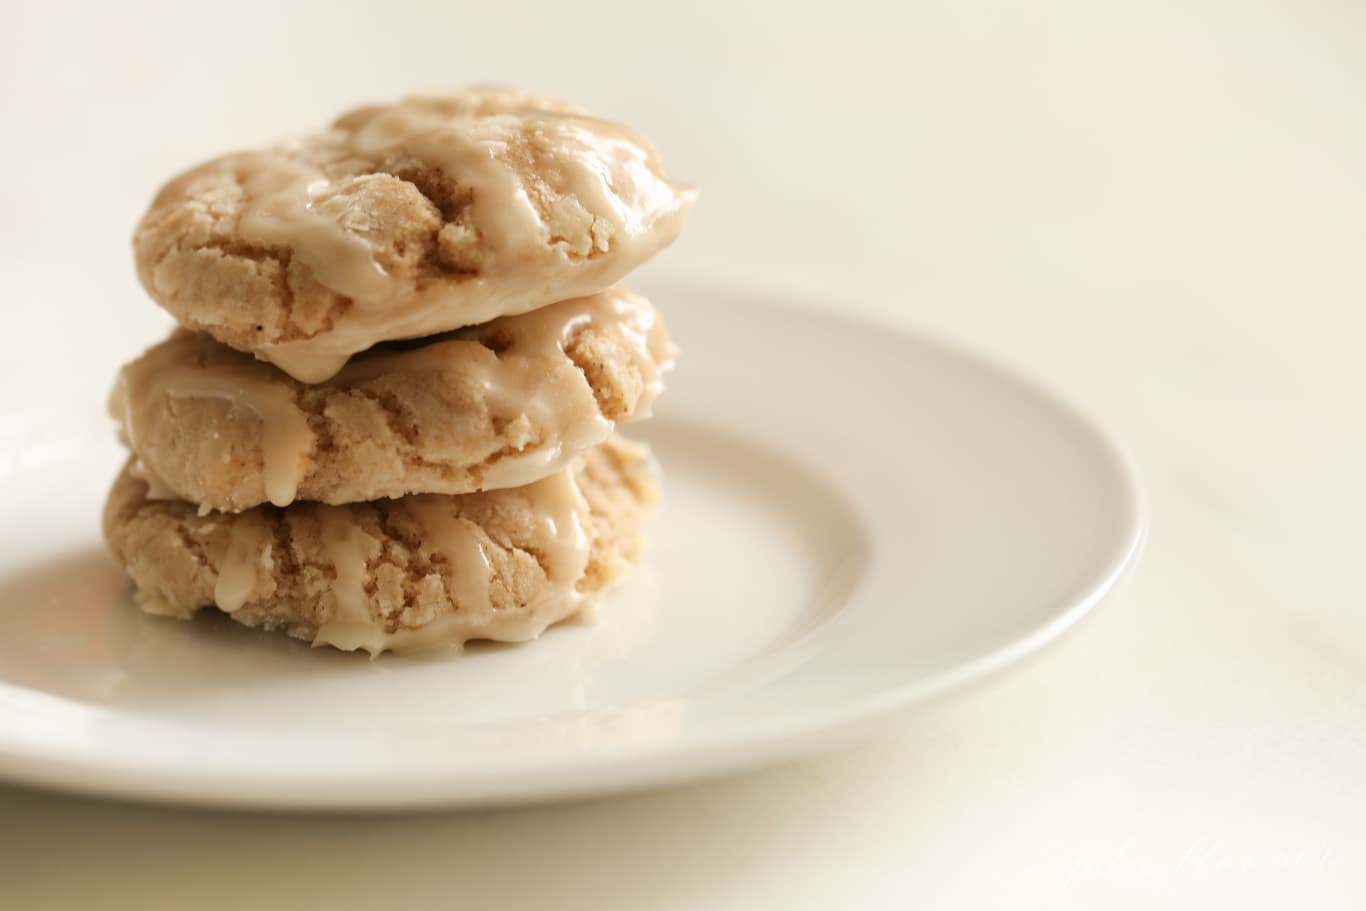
(1157, 208)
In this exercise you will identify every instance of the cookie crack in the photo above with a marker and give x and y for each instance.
(608, 393)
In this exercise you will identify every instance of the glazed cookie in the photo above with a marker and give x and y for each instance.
(405, 220)
(490, 406)
(404, 575)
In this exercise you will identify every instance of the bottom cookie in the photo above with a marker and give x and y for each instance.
(408, 574)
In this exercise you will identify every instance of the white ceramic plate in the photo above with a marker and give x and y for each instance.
(852, 521)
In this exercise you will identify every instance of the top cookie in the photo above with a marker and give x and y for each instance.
(405, 220)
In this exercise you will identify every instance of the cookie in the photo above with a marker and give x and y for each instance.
(490, 406)
(405, 220)
(416, 573)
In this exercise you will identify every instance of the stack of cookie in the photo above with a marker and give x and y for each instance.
(387, 420)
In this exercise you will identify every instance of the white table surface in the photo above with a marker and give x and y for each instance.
(1158, 209)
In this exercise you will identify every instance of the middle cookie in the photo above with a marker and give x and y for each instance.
(497, 405)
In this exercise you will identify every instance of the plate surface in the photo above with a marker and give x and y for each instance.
(852, 520)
